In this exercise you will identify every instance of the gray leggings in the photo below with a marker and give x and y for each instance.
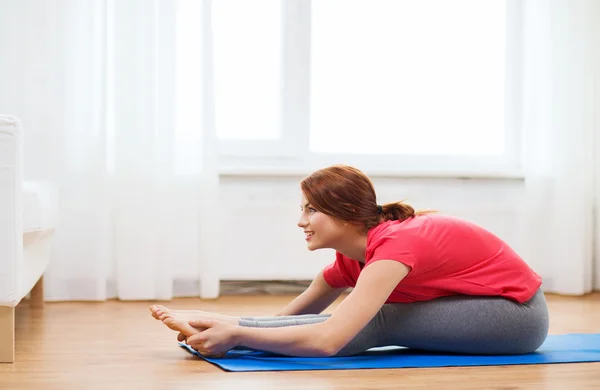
(456, 324)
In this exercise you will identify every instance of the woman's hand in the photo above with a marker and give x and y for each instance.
(215, 339)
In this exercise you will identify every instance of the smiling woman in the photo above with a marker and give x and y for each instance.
(420, 280)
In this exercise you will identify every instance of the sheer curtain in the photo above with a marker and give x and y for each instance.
(113, 114)
(561, 209)
(126, 129)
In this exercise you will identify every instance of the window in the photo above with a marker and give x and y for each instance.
(410, 77)
(247, 68)
(248, 76)
(421, 86)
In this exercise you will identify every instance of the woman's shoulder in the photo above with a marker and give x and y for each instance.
(419, 225)
(423, 227)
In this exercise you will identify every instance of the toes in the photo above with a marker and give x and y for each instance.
(153, 310)
(163, 316)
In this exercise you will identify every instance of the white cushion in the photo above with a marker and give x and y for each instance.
(28, 218)
(40, 207)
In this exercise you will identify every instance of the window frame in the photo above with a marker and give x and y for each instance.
(290, 154)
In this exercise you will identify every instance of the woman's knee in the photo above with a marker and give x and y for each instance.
(372, 335)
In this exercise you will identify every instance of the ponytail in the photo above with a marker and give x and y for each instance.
(397, 211)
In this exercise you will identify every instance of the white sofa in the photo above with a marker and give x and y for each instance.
(28, 219)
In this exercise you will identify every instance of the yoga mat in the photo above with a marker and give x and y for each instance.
(567, 348)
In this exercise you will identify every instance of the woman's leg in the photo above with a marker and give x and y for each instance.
(160, 311)
(457, 324)
(278, 321)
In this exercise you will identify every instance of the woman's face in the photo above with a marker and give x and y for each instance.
(320, 230)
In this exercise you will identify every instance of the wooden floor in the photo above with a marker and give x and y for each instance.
(117, 345)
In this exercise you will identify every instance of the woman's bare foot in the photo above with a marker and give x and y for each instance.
(161, 313)
(160, 310)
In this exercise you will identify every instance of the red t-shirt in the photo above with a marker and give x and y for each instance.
(447, 256)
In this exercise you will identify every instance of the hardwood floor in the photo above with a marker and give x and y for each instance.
(118, 345)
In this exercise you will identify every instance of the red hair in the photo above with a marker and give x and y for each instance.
(346, 193)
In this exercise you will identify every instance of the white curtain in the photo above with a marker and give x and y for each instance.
(561, 102)
(117, 96)
(116, 99)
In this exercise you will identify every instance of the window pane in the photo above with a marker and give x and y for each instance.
(247, 61)
(405, 76)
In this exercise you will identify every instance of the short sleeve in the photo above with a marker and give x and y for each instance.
(336, 273)
(388, 248)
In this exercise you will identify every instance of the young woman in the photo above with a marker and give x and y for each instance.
(420, 280)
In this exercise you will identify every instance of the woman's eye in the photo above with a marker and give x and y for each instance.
(310, 209)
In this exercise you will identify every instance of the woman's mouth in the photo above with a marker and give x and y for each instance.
(308, 235)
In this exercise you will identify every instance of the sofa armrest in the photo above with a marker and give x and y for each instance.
(11, 210)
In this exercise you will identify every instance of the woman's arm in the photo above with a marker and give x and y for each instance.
(316, 298)
(374, 286)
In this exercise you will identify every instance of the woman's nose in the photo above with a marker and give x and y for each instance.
(301, 222)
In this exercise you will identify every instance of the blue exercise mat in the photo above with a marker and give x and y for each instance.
(568, 348)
